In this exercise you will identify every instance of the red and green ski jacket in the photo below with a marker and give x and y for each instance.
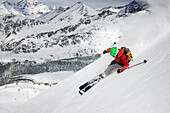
(120, 58)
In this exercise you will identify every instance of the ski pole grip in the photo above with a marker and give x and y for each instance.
(113, 44)
(145, 61)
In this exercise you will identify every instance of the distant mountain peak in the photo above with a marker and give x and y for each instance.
(134, 1)
(133, 7)
(80, 3)
(16, 1)
(6, 9)
(82, 9)
(28, 7)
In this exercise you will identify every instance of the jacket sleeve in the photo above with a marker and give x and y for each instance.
(124, 62)
(108, 50)
(123, 59)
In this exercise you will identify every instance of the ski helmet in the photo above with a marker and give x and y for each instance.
(113, 51)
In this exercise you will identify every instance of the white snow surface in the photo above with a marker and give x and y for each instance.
(142, 89)
(14, 95)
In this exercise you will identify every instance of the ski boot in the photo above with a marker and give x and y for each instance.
(102, 75)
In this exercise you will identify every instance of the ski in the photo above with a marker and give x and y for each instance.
(89, 84)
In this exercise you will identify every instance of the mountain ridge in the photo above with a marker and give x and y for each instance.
(71, 27)
(25, 7)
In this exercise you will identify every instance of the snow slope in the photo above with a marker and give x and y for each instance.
(142, 89)
(14, 95)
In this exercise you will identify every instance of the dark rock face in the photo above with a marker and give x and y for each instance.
(135, 6)
(10, 71)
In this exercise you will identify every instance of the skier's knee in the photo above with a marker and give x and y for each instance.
(113, 62)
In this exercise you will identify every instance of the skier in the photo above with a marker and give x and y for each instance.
(122, 58)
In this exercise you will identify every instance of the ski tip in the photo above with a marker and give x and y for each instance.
(145, 61)
(80, 93)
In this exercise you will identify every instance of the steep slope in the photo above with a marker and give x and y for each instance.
(52, 14)
(141, 89)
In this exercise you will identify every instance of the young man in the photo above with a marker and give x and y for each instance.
(120, 60)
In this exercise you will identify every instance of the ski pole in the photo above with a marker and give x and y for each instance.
(144, 61)
(112, 44)
(99, 54)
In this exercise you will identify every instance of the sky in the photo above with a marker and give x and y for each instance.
(91, 3)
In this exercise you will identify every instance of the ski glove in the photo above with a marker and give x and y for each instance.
(104, 52)
(119, 71)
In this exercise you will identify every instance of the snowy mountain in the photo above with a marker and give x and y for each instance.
(133, 7)
(75, 13)
(52, 14)
(28, 7)
(77, 26)
(7, 9)
(66, 29)
(72, 32)
(110, 8)
(23, 7)
(45, 47)
(144, 88)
